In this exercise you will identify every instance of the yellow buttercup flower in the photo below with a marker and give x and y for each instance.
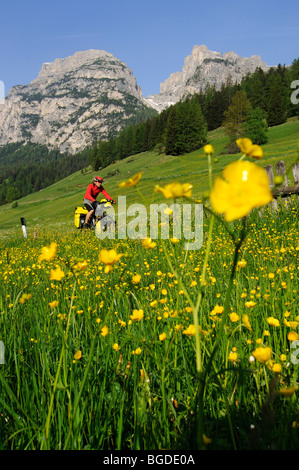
(287, 392)
(56, 274)
(80, 266)
(78, 355)
(137, 315)
(248, 148)
(136, 278)
(208, 149)
(131, 181)
(137, 351)
(148, 243)
(293, 336)
(233, 356)
(243, 187)
(24, 298)
(242, 263)
(116, 347)
(234, 317)
(273, 321)
(262, 354)
(174, 190)
(109, 258)
(162, 336)
(104, 331)
(53, 304)
(48, 252)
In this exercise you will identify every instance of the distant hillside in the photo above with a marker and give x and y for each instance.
(53, 208)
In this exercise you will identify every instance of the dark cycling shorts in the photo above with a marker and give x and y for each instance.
(88, 205)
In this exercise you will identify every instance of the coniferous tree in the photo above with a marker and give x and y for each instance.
(256, 126)
(277, 108)
(235, 119)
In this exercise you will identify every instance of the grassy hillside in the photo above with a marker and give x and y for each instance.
(54, 206)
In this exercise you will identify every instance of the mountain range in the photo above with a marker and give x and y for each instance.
(92, 96)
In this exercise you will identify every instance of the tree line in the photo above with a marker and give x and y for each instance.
(27, 168)
(261, 100)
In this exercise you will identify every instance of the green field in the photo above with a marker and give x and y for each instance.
(54, 206)
(160, 348)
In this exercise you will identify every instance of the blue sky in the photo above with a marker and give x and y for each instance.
(152, 38)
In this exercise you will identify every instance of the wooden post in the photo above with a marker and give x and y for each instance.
(296, 173)
(24, 228)
(282, 171)
(270, 173)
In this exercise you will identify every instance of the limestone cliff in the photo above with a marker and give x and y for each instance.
(201, 69)
(73, 102)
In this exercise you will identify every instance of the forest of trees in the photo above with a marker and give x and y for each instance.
(260, 101)
(263, 99)
(27, 168)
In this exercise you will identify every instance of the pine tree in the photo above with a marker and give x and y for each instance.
(256, 126)
(235, 119)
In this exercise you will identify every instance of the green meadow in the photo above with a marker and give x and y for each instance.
(116, 344)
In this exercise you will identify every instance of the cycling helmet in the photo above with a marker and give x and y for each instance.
(98, 179)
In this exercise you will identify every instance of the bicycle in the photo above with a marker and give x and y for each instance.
(100, 220)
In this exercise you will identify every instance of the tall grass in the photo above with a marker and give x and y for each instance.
(130, 389)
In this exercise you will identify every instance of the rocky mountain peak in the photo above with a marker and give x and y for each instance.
(72, 103)
(201, 69)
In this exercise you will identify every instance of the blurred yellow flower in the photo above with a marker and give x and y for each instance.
(208, 149)
(276, 368)
(56, 274)
(137, 315)
(242, 263)
(174, 190)
(53, 304)
(148, 243)
(206, 440)
(248, 148)
(136, 278)
(24, 298)
(48, 252)
(243, 187)
(116, 347)
(273, 321)
(137, 351)
(104, 331)
(287, 392)
(245, 320)
(131, 181)
(80, 266)
(262, 354)
(234, 317)
(162, 336)
(109, 258)
(78, 355)
(233, 356)
(293, 336)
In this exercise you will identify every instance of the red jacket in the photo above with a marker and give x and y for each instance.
(92, 192)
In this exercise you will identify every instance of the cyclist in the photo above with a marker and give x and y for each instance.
(92, 191)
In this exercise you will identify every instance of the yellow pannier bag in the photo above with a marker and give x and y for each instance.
(80, 213)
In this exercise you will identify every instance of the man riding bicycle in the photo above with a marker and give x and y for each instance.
(92, 191)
